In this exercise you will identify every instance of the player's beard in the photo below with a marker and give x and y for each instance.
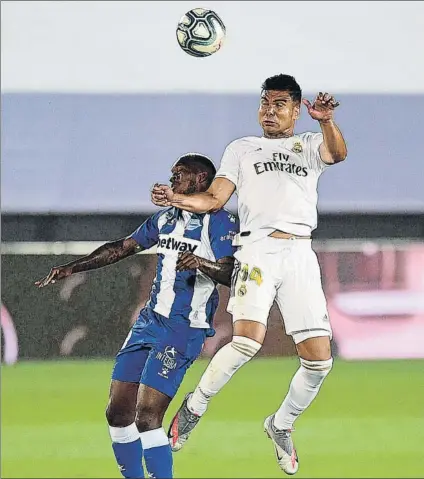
(191, 188)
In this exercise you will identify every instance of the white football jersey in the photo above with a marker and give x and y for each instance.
(276, 183)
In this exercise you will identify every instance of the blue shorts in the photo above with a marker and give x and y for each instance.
(157, 352)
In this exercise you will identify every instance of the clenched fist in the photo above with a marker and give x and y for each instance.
(161, 195)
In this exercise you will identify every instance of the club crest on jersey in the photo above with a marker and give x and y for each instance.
(297, 147)
(193, 224)
(242, 290)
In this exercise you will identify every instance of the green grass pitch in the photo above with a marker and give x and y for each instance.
(368, 421)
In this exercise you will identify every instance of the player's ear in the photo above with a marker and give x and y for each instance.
(296, 111)
(201, 177)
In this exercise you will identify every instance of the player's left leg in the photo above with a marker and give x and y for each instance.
(304, 309)
(151, 407)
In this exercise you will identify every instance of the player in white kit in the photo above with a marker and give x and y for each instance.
(275, 177)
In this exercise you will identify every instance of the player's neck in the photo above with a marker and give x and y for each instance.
(279, 135)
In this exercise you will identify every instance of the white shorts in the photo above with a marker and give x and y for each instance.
(284, 270)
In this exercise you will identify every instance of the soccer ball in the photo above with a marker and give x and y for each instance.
(200, 32)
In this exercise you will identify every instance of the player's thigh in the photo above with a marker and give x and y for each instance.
(171, 356)
(300, 296)
(121, 408)
(151, 407)
(131, 358)
(253, 288)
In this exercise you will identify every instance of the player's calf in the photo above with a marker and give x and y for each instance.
(120, 414)
(229, 359)
(303, 389)
(219, 371)
(151, 407)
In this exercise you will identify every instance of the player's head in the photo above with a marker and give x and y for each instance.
(280, 105)
(192, 173)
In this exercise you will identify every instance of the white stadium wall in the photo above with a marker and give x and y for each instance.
(343, 47)
(98, 99)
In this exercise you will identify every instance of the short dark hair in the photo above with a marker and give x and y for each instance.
(198, 163)
(283, 82)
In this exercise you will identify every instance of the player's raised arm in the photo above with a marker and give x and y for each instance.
(144, 237)
(105, 255)
(333, 149)
(213, 199)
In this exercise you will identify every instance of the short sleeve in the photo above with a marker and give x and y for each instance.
(230, 165)
(147, 234)
(313, 142)
(223, 226)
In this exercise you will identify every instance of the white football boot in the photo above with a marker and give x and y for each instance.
(284, 448)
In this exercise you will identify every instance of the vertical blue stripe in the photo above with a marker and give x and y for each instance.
(171, 216)
(212, 305)
(185, 281)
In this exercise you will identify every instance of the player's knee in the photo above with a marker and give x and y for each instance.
(118, 416)
(245, 346)
(148, 418)
(316, 371)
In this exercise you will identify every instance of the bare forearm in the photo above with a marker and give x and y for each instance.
(219, 272)
(333, 141)
(105, 255)
(196, 202)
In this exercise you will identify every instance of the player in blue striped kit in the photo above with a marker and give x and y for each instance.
(195, 253)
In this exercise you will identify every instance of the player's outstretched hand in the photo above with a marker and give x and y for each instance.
(322, 109)
(188, 261)
(55, 274)
(161, 195)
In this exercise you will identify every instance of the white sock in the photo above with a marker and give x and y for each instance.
(303, 389)
(223, 365)
(154, 438)
(122, 435)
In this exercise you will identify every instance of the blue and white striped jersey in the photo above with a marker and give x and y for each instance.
(188, 295)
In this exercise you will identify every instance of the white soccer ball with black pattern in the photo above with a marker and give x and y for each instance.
(200, 32)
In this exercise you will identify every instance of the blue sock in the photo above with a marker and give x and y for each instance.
(157, 453)
(128, 450)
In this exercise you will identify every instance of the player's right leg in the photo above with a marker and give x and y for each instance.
(120, 415)
(121, 408)
(174, 348)
(252, 294)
